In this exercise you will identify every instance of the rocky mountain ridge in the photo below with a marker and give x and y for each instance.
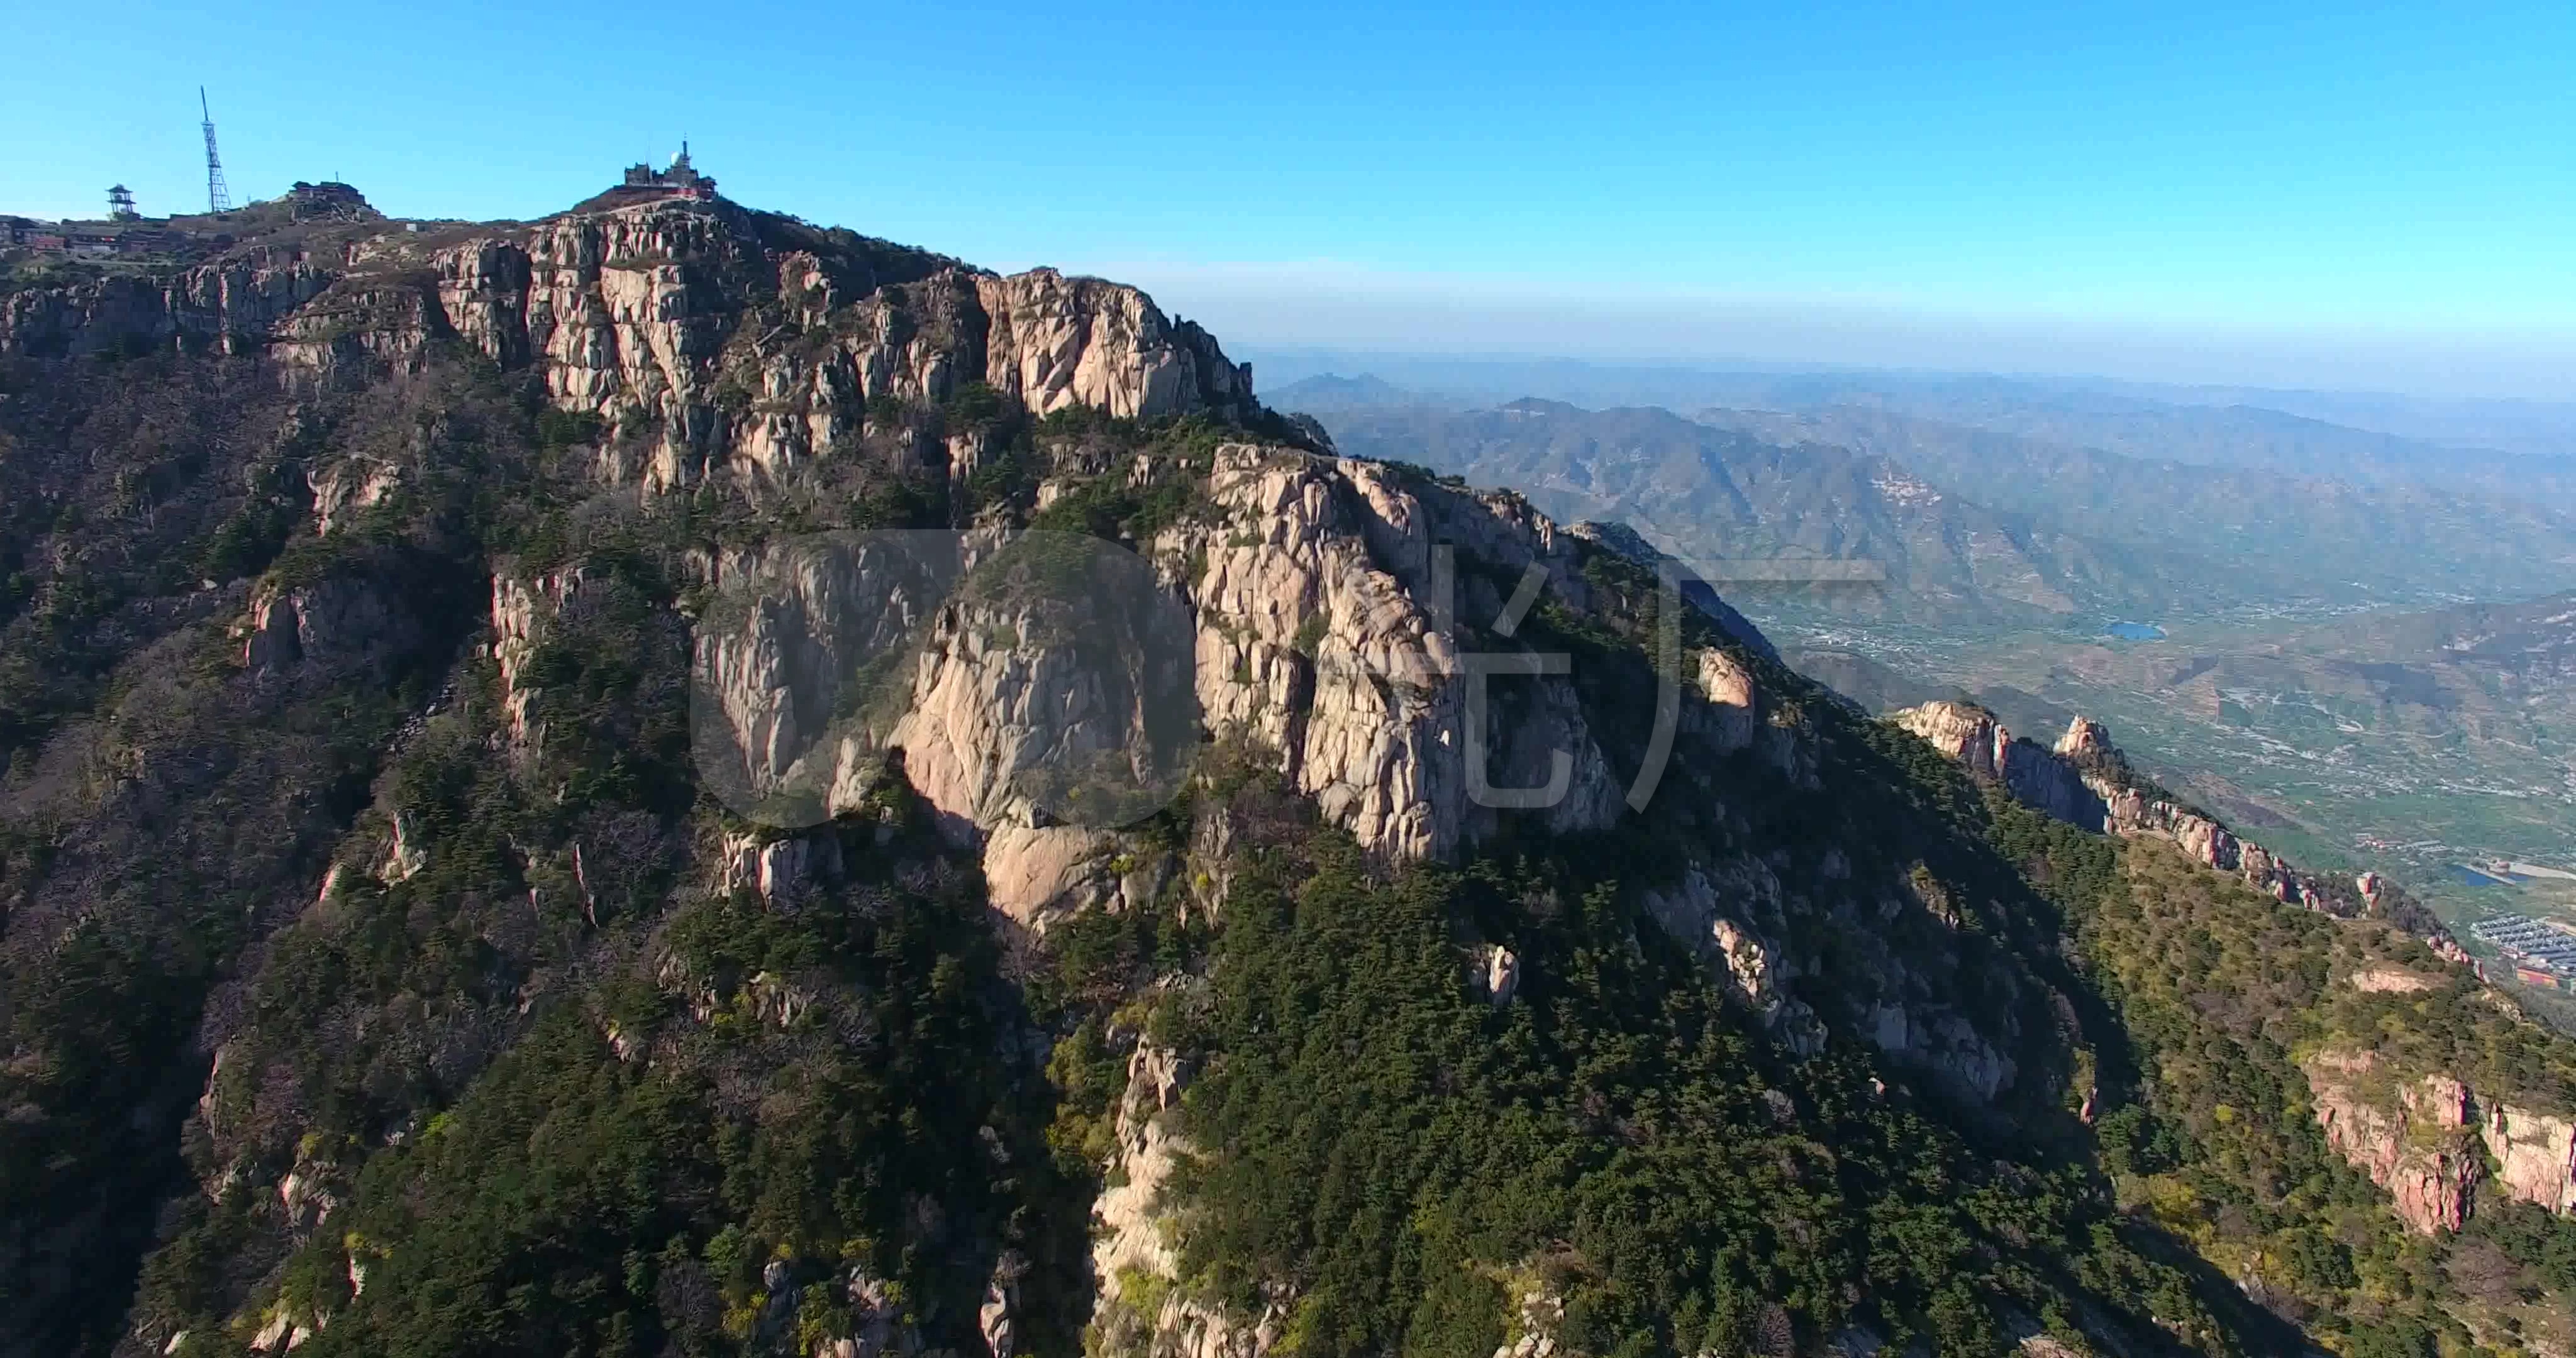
(668, 780)
(2412, 1138)
(746, 340)
(2085, 781)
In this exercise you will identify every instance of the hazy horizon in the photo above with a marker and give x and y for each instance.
(1483, 374)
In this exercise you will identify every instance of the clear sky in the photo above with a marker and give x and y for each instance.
(2378, 196)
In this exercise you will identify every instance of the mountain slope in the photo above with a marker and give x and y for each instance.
(711, 786)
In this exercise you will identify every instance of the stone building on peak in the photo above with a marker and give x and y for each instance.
(680, 180)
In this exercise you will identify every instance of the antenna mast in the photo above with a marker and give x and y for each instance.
(218, 198)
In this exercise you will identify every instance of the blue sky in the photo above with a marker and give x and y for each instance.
(2380, 196)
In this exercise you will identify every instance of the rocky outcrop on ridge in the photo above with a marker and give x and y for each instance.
(1305, 626)
(1329, 607)
(724, 338)
(2417, 1145)
(1979, 742)
(2535, 1154)
(2420, 1140)
(232, 306)
(2085, 781)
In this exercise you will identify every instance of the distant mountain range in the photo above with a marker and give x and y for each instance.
(1722, 498)
(1972, 522)
(2241, 436)
(2347, 540)
(2227, 425)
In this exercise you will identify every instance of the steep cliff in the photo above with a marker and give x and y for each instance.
(2415, 1145)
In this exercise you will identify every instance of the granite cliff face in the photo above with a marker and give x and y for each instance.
(2416, 1145)
(232, 307)
(1330, 617)
(2535, 1154)
(2420, 1140)
(749, 343)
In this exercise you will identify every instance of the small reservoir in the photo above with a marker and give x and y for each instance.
(2136, 631)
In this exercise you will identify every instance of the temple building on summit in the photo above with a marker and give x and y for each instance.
(681, 180)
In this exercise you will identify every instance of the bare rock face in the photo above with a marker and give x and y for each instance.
(1055, 342)
(1970, 735)
(1134, 1264)
(231, 306)
(1497, 973)
(642, 315)
(1324, 635)
(1534, 1319)
(637, 314)
(347, 487)
(1709, 911)
(2391, 981)
(998, 1317)
(2083, 780)
(1035, 873)
(2039, 778)
(338, 622)
(361, 325)
(2535, 1156)
(2086, 739)
(521, 607)
(621, 313)
(1313, 648)
(1733, 715)
(783, 871)
(1055, 688)
(1693, 912)
(2416, 1146)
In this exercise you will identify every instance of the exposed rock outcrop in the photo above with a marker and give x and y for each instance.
(1142, 1310)
(783, 871)
(1054, 341)
(1326, 633)
(332, 623)
(2085, 781)
(652, 316)
(1695, 912)
(2040, 780)
(520, 610)
(1497, 973)
(233, 306)
(2416, 1145)
(2535, 1155)
(1305, 611)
